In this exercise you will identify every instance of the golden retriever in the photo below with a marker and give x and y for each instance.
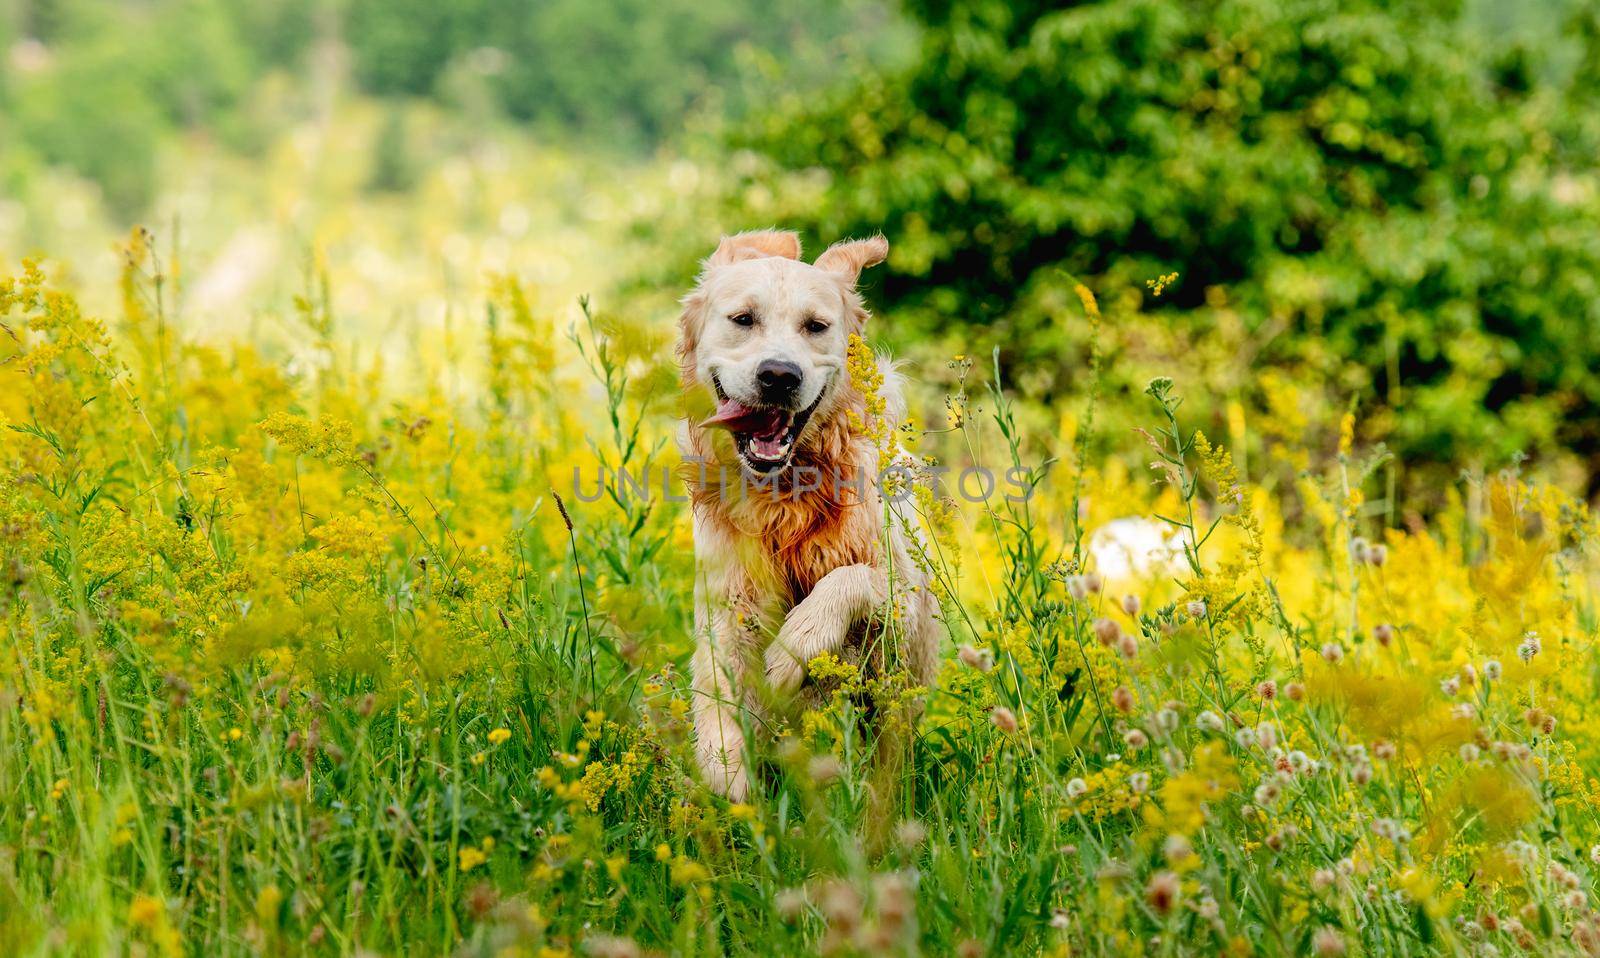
(796, 549)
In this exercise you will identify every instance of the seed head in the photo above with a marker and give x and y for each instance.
(1122, 698)
(1004, 719)
(974, 658)
(1107, 631)
(1163, 891)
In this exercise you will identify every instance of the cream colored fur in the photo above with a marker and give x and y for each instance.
(781, 580)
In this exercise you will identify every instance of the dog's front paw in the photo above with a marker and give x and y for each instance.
(785, 672)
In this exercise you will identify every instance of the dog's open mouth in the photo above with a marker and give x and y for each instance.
(764, 436)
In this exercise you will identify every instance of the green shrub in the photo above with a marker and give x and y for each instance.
(1374, 196)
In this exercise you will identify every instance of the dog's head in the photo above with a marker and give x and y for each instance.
(768, 333)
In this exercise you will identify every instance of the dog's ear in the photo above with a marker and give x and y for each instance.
(754, 245)
(850, 257)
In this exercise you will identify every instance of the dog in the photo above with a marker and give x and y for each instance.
(795, 552)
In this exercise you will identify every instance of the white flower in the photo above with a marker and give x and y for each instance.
(1491, 670)
(1167, 719)
(1076, 787)
(1530, 646)
(1267, 735)
(1209, 721)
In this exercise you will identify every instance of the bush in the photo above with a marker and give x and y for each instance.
(1372, 196)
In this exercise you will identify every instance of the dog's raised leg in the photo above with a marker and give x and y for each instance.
(821, 622)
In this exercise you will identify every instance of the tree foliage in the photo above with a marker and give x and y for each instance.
(1388, 200)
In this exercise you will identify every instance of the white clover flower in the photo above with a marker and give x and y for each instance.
(1167, 719)
(1076, 787)
(1530, 646)
(1491, 670)
(1267, 735)
(1209, 721)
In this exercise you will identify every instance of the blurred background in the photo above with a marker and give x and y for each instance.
(1295, 209)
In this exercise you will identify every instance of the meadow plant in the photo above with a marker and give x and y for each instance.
(292, 665)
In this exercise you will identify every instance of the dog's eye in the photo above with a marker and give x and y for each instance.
(742, 319)
(816, 326)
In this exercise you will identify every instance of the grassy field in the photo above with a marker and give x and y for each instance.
(304, 657)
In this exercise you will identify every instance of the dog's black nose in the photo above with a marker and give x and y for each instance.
(779, 380)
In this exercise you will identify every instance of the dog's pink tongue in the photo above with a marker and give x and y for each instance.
(735, 415)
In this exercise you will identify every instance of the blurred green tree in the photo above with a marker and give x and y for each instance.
(1392, 201)
(626, 70)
